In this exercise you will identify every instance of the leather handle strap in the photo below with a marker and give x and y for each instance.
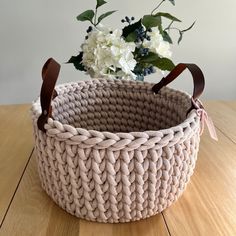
(50, 72)
(198, 80)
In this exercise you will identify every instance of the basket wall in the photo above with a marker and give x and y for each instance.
(114, 151)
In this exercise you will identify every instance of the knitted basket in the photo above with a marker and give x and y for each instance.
(115, 150)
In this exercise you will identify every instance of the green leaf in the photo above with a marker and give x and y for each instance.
(168, 16)
(138, 70)
(150, 21)
(151, 57)
(161, 62)
(164, 64)
(131, 28)
(77, 62)
(100, 3)
(180, 37)
(172, 1)
(189, 28)
(100, 18)
(86, 16)
(160, 29)
(166, 37)
(131, 37)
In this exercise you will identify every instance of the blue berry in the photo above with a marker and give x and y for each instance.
(148, 38)
(141, 34)
(144, 51)
(132, 18)
(141, 29)
(152, 69)
(86, 37)
(127, 19)
(149, 30)
(147, 71)
(90, 28)
(123, 21)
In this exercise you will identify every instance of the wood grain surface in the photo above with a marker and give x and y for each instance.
(16, 144)
(207, 207)
(224, 116)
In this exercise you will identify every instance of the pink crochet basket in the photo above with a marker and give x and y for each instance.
(116, 150)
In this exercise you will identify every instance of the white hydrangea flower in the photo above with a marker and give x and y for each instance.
(106, 54)
(157, 43)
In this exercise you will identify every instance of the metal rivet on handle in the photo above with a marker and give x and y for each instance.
(45, 112)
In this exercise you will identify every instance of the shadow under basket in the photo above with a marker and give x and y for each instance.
(113, 150)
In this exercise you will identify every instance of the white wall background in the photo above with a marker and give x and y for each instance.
(33, 30)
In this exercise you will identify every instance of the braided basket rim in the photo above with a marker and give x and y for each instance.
(139, 86)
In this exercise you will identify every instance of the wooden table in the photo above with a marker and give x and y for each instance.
(208, 206)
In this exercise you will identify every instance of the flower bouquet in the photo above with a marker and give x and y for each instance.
(138, 49)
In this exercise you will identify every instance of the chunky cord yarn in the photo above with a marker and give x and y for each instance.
(114, 151)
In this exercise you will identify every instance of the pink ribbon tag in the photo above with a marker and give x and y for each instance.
(210, 125)
(201, 112)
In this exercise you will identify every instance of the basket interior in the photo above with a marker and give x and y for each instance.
(121, 110)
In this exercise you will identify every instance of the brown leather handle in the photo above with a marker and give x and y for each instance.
(51, 71)
(50, 74)
(198, 80)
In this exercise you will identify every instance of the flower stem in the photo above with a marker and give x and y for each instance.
(157, 7)
(174, 28)
(95, 17)
(168, 27)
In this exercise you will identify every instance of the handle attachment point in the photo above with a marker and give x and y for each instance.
(198, 80)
